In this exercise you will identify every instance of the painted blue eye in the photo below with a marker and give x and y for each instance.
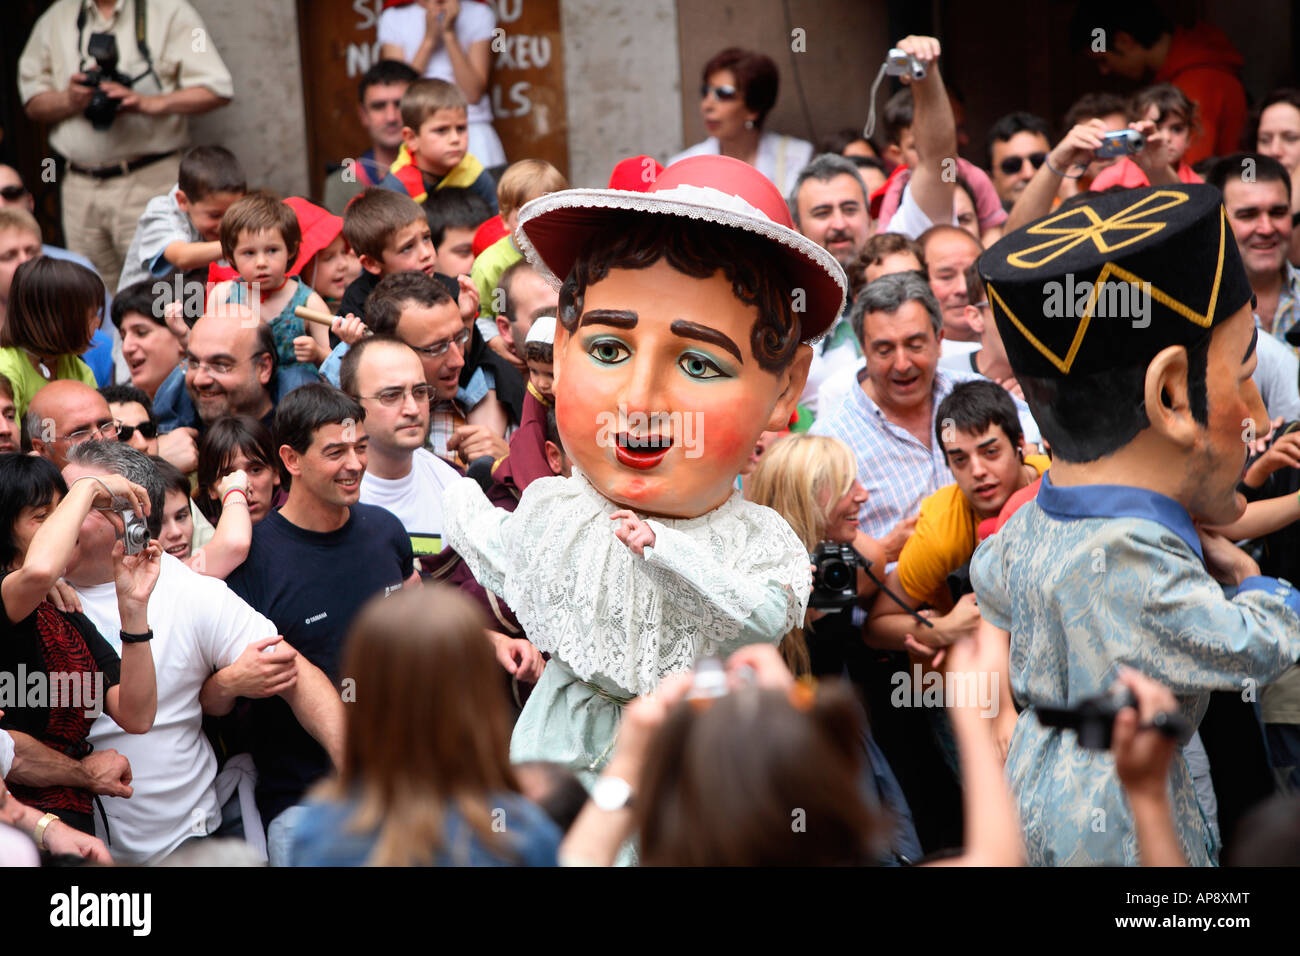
(608, 352)
(697, 366)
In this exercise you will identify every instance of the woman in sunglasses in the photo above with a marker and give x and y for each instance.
(738, 91)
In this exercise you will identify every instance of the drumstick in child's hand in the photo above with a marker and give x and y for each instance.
(320, 318)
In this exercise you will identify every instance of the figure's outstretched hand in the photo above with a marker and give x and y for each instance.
(633, 532)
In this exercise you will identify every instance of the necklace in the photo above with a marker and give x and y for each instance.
(264, 295)
(40, 365)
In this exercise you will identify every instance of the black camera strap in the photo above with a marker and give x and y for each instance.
(866, 569)
(141, 8)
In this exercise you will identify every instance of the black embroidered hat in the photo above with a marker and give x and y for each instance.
(1114, 279)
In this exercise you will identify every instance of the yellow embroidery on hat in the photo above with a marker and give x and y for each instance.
(1128, 222)
(1204, 320)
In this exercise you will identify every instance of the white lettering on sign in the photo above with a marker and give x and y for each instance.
(520, 104)
(523, 51)
(509, 12)
(368, 11)
(360, 56)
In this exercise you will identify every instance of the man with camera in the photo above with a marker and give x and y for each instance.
(115, 80)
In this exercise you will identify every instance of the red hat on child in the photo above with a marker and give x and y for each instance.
(487, 234)
(636, 173)
(553, 228)
(319, 228)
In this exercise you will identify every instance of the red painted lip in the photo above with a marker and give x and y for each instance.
(641, 460)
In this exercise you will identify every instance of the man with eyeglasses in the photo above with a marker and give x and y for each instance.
(385, 375)
(67, 413)
(1017, 147)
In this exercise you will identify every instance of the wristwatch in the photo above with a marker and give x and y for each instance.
(612, 793)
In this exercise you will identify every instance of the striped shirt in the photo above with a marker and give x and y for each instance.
(897, 470)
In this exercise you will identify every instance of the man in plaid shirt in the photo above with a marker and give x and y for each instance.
(888, 421)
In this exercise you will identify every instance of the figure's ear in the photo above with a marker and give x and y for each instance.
(975, 319)
(1166, 397)
(371, 264)
(791, 383)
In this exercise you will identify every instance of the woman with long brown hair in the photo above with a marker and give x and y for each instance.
(426, 777)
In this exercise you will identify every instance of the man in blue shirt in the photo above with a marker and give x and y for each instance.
(311, 567)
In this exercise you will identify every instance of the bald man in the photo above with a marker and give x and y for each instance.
(229, 365)
(230, 369)
(949, 252)
(67, 413)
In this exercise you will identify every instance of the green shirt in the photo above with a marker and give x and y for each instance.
(27, 379)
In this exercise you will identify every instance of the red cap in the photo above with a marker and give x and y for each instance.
(487, 234)
(319, 228)
(636, 173)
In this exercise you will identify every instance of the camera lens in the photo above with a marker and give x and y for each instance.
(835, 574)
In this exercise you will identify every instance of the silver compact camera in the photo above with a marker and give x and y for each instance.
(1122, 142)
(135, 533)
(898, 63)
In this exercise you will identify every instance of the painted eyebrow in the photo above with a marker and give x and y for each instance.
(690, 330)
(618, 318)
(1250, 349)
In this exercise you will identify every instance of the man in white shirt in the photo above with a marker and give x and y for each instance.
(209, 647)
(387, 377)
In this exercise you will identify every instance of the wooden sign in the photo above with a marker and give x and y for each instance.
(339, 43)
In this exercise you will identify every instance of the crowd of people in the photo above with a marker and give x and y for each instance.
(783, 505)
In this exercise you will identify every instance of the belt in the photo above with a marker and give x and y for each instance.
(120, 169)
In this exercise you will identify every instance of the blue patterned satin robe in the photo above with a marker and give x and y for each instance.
(1090, 577)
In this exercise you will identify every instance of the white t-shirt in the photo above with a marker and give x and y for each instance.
(404, 27)
(199, 627)
(909, 219)
(416, 500)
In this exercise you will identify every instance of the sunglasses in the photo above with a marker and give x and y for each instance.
(11, 193)
(147, 430)
(723, 94)
(1013, 164)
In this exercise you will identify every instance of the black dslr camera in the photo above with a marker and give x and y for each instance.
(835, 575)
(1093, 719)
(103, 108)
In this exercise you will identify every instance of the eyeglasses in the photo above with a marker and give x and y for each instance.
(392, 397)
(461, 339)
(723, 94)
(147, 430)
(105, 430)
(220, 367)
(1013, 164)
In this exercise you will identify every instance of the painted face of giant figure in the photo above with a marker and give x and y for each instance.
(659, 397)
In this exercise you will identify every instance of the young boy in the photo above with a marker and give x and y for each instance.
(454, 216)
(435, 137)
(389, 233)
(520, 183)
(181, 230)
(528, 458)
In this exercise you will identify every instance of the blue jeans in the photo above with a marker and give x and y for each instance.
(279, 836)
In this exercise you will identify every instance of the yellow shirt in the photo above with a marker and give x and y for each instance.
(173, 31)
(945, 538)
(27, 380)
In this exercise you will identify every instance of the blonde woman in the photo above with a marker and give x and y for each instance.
(811, 481)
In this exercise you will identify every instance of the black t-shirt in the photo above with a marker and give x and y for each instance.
(311, 584)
